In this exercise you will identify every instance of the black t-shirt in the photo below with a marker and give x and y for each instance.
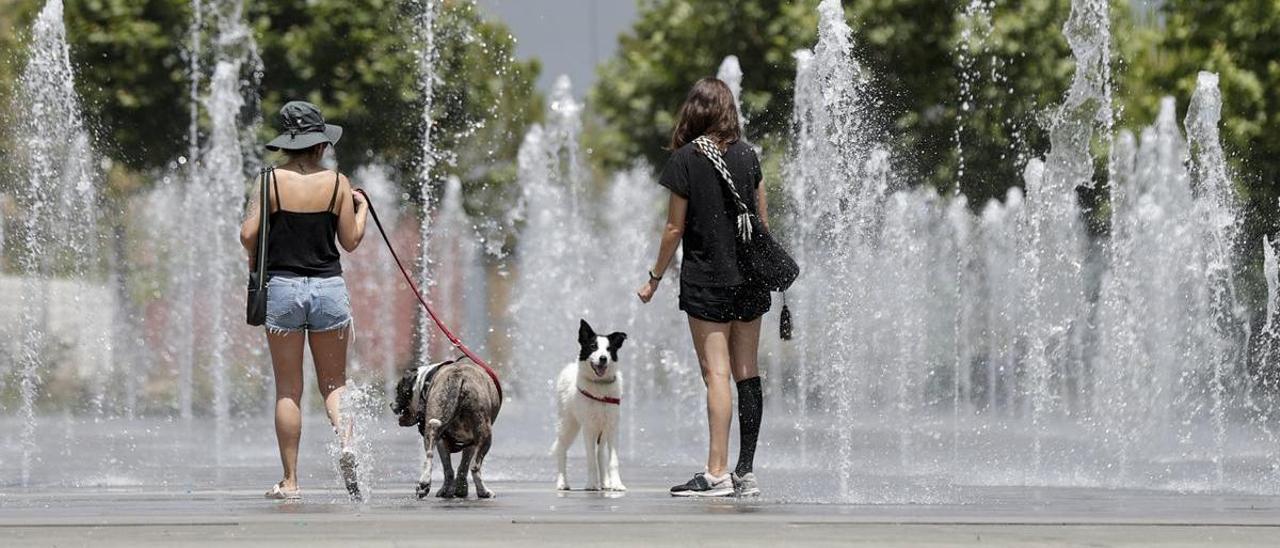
(710, 250)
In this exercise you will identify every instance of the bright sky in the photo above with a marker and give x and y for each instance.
(569, 36)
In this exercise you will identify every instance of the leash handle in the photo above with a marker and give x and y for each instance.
(453, 339)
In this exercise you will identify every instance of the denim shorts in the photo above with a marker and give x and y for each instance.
(297, 303)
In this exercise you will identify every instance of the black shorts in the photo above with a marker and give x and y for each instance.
(740, 303)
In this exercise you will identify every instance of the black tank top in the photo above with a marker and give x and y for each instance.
(303, 244)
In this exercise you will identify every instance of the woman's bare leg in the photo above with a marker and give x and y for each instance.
(744, 347)
(286, 362)
(711, 340)
(329, 350)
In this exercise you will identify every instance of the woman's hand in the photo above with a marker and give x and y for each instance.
(647, 290)
(358, 198)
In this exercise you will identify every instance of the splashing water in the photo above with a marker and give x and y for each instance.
(990, 322)
(934, 348)
(460, 280)
(975, 23)
(427, 58)
(59, 201)
(213, 205)
(730, 73)
(578, 262)
(1268, 346)
(380, 282)
(363, 423)
(555, 240)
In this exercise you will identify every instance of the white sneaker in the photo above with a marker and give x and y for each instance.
(705, 485)
(745, 485)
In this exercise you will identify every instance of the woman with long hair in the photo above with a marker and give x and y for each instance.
(724, 308)
(312, 211)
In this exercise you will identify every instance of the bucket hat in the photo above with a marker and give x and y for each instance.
(304, 127)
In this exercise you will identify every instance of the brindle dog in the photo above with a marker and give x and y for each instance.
(453, 405)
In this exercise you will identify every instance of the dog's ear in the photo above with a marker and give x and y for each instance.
(616, 339)
(585, 333)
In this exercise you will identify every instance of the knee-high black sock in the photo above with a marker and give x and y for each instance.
(750, 407)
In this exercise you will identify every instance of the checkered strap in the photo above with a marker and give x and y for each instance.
(709, 149)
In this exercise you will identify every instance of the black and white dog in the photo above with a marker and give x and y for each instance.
(453, 404)
(588, 395)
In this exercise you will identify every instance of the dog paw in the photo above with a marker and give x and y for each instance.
(562, 484)
(616, 487)
(485, 493)
(423, 490)
(460, 490)
(445, 492)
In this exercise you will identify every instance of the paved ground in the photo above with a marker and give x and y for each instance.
(165, 483)
(533, 515)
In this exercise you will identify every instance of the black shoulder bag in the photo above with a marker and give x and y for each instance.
(256, 305)
(761, 258)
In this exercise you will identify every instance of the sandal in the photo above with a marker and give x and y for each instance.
(277, 492)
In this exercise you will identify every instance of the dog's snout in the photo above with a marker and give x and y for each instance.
(604, 360)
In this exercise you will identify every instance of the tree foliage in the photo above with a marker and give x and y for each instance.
(1018, 58)
(1239, 40)
(676, 42)
(132, 75)
(9, 45)
(356, 59)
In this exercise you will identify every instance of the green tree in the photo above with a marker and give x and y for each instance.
(10, 22)
(132, 75)
(485, 102)
(1021, 66)
(1017, 56)
(909, 47)
(357, 59)
(676, 42)
(129, 58)
(1238, 40)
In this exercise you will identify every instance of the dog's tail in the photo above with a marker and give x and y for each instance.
(452, 386)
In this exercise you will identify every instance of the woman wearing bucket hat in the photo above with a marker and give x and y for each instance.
(312, 211)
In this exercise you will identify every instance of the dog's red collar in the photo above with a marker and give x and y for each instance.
(606, 399)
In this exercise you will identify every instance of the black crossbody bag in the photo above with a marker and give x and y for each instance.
(761, 258)
(256, 304)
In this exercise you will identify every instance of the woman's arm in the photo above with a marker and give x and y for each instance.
(352, 213)
(671, 235)
(249, 229)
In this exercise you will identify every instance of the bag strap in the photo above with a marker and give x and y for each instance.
(333, 200)
(709, 149)
(264, 224)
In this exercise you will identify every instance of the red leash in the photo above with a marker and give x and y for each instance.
(457, 343)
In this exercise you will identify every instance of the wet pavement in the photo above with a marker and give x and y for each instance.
(533, 514)
(164, 483)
